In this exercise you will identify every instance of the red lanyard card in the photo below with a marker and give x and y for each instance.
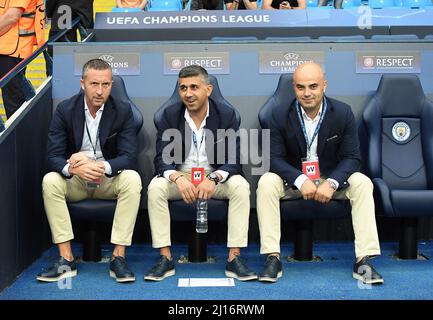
(197, 175)
(311, 169)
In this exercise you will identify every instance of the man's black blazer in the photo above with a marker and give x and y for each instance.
(337, 147)
(117, 134)
(220, 117)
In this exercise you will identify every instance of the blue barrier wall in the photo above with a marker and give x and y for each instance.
(24, 232)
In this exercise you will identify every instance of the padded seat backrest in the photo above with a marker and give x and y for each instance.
(399, 124)
(284, 94)
(118, 92)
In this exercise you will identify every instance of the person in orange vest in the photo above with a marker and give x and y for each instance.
(22, 24)
(131, 4)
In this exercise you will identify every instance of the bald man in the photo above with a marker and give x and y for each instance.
(322, 132)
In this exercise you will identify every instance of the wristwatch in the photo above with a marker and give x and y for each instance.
(333, 185)
(214, 177)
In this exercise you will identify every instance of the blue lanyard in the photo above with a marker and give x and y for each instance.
(197, 148)
(316, 131)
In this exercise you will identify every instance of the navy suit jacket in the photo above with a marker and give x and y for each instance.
(220, 117)
(116, 134)
(337, 146)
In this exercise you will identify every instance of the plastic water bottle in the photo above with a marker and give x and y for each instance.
(201, 222)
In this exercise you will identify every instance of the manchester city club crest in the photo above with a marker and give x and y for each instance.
(401, 131)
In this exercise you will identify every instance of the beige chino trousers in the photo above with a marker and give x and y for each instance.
(236, 189)
(360, 194)
(57, 190)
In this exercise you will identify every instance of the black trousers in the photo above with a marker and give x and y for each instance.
(12, 92)
(79, 8)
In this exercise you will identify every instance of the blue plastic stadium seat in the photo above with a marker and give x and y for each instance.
(312, 3)
(398, 121)
(351, 3)
(166, 5)
(417, 3)
(379, 4)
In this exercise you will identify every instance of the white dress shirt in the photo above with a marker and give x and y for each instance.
(86, 145)
(191, 159)
(310, 127)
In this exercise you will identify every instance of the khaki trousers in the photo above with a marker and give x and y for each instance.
(126, 187)
(236, 189)
(360, 193)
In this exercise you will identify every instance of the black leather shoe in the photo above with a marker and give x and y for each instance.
(61, 269)
(162, 269)
(238, 269)
(364, 271)
(272, 271)
(119, 270)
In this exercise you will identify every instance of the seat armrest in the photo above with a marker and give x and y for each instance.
(382, 194)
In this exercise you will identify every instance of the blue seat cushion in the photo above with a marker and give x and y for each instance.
(181, 211)
(311, 209)
(412, 203)
(92, 210)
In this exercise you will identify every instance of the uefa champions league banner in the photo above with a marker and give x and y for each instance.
(198, 19)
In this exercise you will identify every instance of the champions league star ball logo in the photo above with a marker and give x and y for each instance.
(291, 56)
(107, 58)
(401, 131)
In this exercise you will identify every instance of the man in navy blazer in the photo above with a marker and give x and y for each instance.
(195, 124)
(91, 154)
(315, 156)
(220, 117)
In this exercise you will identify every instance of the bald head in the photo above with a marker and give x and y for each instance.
(309, 84)
(308, 70)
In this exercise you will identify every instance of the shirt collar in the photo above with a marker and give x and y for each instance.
(306, 117)
(189, 119)
(86, 107)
